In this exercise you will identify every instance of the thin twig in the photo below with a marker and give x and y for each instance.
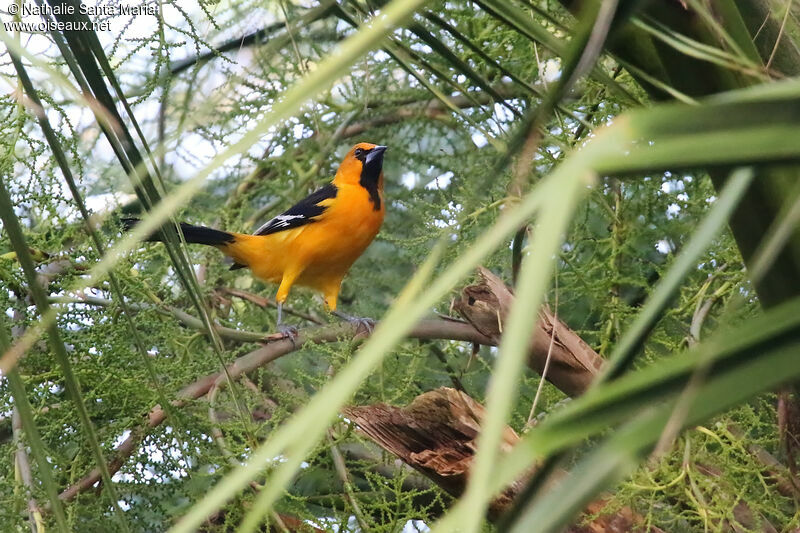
(341, 471)
(780, 33)
(344, 475)
(216, 431)
(682, 405)
(23, 468)
(182, 316)
(703, 307)
(553, 334)
(435, 350)
(261, 301)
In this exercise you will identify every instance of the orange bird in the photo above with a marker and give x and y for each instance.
(315, 242)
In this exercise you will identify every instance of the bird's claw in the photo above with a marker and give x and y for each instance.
(288, 332)
(362, 322)
(367, 324)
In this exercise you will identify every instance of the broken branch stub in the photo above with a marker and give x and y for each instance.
(573, 363)
(437, 435)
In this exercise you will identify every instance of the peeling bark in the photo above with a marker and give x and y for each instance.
(573, 363)
(437, 435)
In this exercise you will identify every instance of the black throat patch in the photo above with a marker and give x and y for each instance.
(371, 168)
(370, 182)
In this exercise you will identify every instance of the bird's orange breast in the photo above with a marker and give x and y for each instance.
(324, 249)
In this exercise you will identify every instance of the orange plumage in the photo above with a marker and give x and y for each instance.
(315, 242)
(318, 254)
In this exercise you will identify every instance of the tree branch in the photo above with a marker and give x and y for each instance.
(432, 109)
(573, 365)
(253, 38)
(425, 330)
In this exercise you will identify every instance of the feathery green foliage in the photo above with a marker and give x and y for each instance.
(609, 129)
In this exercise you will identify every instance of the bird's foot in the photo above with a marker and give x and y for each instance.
(367, 324)
(284, 332)
(288, 331)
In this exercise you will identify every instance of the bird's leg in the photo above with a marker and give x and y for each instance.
(360, 322)
(289, 332)
(331, 293)
(289, 276)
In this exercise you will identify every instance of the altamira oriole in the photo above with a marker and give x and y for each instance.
(315, 242)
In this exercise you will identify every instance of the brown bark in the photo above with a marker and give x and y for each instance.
(573, 363)
(437, 432)
(437, 435)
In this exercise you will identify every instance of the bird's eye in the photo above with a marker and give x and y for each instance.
(359, 152)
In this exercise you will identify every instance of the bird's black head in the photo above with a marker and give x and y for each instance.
(371, 157)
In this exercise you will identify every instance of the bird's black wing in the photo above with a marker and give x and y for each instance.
(303, 212)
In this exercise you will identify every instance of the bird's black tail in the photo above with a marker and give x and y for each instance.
(192, 234)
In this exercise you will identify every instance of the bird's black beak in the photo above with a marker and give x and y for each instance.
(375, 156)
